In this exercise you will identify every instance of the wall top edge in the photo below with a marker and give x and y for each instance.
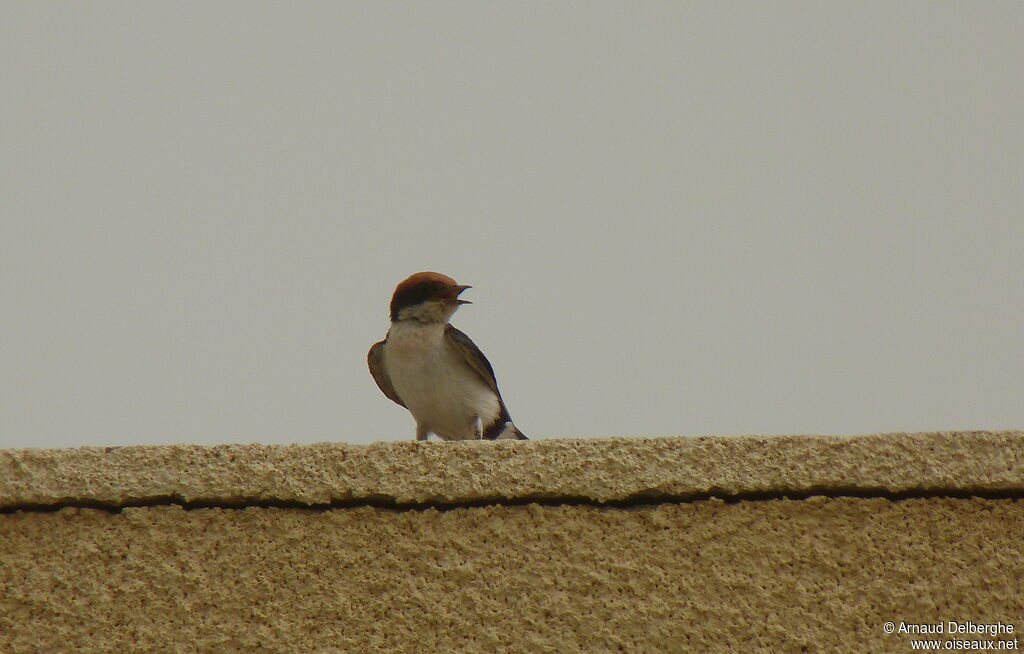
(597, 470)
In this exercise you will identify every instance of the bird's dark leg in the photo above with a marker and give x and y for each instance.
(422, 433)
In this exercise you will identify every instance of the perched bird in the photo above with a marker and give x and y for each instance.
(433, 369)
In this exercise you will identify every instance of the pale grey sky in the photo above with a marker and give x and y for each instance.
(678, 218)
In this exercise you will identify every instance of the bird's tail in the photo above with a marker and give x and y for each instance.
(511, 432)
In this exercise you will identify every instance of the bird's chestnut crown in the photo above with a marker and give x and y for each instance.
(423, 287)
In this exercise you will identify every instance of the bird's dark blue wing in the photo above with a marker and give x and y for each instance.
(473, 356)
(375, 360)
(479, 363)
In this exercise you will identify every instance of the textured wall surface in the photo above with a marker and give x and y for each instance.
(674, 569)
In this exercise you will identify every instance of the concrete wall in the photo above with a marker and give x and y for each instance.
(752, 544)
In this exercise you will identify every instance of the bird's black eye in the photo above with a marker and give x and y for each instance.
(413, 295)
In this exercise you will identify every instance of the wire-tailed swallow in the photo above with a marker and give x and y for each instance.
(436, 371)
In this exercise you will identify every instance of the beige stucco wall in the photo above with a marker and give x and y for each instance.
(543, 546)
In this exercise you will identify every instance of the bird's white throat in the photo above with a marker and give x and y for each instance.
(430, 312)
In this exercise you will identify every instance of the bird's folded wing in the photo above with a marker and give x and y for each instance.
(473, 356)
(375, 359)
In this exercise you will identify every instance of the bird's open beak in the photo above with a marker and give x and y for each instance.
(451, 294)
